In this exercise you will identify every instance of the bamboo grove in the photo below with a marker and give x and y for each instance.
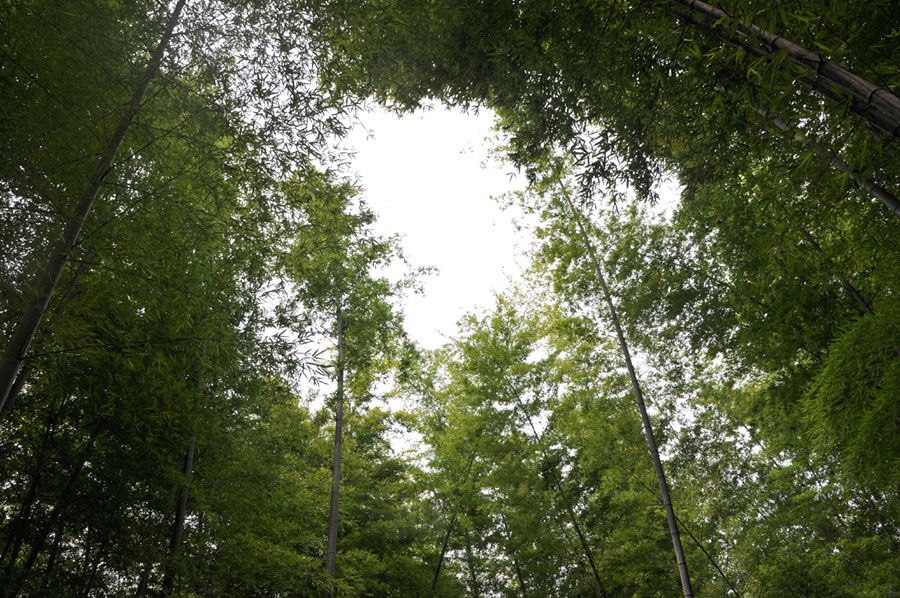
(203, 356)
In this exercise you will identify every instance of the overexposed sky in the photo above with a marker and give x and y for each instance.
(428, 177)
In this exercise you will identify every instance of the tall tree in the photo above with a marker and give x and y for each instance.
(332, 265)
(639, 397)
(46, 282)
(71, 143)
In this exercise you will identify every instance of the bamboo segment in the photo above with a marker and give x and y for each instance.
(874, 97)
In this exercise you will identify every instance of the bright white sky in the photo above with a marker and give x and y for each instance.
(428, 177)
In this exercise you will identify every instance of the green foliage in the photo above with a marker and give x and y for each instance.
(334, 263)
(762, 305)
(853, 403)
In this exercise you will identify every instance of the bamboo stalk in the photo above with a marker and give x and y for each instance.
(450, 527)
(876, 191)
(875, 97)
(333, 515)
(642, 407)
(48, 279)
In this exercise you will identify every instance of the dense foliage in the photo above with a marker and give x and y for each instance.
(201, 341)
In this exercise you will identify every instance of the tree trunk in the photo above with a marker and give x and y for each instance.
(88, 586)
(639, 397)
(184, 493)
(875, 98)
(514, 560)
(14, 585)
(876, 120)
(94, 564)
(861, 302)
(18, 527)
(557, 484)
(878, 192)
(168, 583)
(25, 372)
(51, 563)
(446, 542)
(470, 563)
(144, 580)
(331, 553)
(520, 577)
(588, 553)
(577, 555)
(46, 282)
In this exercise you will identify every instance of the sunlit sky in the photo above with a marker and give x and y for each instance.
(430, 178)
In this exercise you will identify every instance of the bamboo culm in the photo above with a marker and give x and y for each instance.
(448, 533)
(55, 518)
(46, 283)
(470, 562)
(333, 515)
(515, 561)
(573, 518)
(25, 371)
(642, 407)
(877, 191)
(168, 583)
(876, 98)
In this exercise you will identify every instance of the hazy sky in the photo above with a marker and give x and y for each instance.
(428, 176)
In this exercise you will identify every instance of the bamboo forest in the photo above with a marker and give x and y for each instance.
(208, 387)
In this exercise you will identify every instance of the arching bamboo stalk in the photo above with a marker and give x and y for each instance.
(642, 407)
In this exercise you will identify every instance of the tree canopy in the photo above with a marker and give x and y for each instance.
(204, 338)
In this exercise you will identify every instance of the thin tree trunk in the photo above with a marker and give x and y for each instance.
(582, 538)
(861, 302)
(470, 563)
(710, 558)
(585, 546)
(95, 565)
(575, 553)
(201, 558)
(144, 580)
(28, 324)
(90, 582)
(878, 192)
(876, 120)
(331, 553)
(697, 542)
(168, 583)
(520, 577)
(557, 484)
(446, 542)
(848, 286)
(55, 515)
(19, 526)
(874, 97)
(25, 372)
(187, 470)
(51, 563)
(514, 560)
(639, 397)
